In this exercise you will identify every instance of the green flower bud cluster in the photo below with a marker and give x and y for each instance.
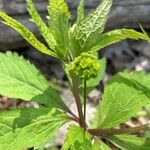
(85, 66)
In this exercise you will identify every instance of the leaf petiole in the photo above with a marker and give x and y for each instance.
(108, 132)
(85, 101)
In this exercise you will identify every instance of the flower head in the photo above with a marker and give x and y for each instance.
(85, 66)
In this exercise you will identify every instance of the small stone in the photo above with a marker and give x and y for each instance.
(94, 96)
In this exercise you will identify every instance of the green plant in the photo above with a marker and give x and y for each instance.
(76, 46)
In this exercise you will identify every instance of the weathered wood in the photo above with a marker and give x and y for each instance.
(18, 7)
(129, 13)
(125, 13)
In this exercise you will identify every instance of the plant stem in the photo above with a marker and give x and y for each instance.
(77, 99)
(85, 101)
(106, 132)
(74, 119)
(73, 115)
(32, 148)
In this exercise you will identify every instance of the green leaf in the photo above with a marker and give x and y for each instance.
(20, 79)
(28, 127)
(130, 142)
(116, 36)
(25, 33)
(141, 79)
(46, 32)
(80, 11)
(121, 100)
(59, 16)
(99, 145)
(91, 26)
(77, 139)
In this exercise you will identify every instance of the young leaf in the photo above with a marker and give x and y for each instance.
(116, 36)
(92, 25)
(121, 100)
(25, 33)
(77, 138)
(46, 32)
(20, 79)
(59, 16)
(80, 11)
(130, 142)
(28, 127)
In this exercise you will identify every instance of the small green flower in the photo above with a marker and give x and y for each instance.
(85, 66)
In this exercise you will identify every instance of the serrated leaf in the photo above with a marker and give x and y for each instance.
(59, 16)
(99, 145)
(77, 139)
(141, 79)
(130, 142)
(80, 11)
(28, 127)
(121, 100)
(91, 26)
(20, 79)
(46, 32)
(116, 36)
(25, 33)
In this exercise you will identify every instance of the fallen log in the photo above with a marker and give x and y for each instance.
(124, 14)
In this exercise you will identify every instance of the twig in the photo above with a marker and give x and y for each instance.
(74, 119)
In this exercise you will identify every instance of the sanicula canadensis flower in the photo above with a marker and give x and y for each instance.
(85, 66)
